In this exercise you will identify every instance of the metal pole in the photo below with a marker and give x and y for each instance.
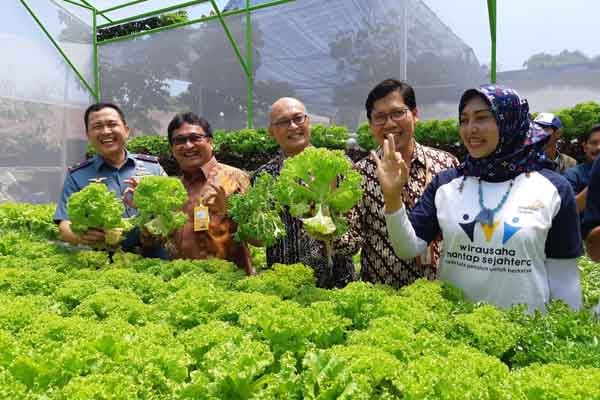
(152, 13)
(190, 22)
(58, 48)
(119, 6)
(95, 55)
(405, 42)
(236, 49)
(250, 76)
(492, 17)
(102, 14)
(77, 4)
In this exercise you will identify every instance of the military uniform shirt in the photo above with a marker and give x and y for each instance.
(81, 175)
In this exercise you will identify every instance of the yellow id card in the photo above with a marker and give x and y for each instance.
(201, 218)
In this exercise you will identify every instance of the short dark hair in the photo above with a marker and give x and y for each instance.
(386, 87)
(188, 118)
(99, 106)
(586, 136)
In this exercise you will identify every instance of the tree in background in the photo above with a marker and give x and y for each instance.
(565, 57)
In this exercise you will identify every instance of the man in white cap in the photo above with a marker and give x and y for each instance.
(552, 124)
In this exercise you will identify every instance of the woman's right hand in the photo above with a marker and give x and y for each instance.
(392, 173)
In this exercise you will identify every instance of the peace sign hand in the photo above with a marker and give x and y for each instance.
(392, 173)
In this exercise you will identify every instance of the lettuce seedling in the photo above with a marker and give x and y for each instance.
(319, 186)
(159, 200)
(257, 212)
(96, 207)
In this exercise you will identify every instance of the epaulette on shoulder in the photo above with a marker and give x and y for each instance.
(145, 157)
(82, 164)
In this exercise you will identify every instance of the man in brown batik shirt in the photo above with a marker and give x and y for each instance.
(392, 110)
(209, 184)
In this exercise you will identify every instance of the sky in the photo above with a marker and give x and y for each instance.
(524, 27)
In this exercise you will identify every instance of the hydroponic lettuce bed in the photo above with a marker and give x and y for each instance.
(74, 326)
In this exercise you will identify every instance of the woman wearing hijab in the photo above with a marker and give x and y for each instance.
(510, 226)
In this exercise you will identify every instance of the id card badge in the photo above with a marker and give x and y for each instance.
(201, 218)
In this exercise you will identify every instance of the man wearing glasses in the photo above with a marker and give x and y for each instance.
(209, 232)
(392, 110)
(290, 127)
(107, 132)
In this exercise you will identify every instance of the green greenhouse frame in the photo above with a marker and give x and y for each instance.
(245, 63)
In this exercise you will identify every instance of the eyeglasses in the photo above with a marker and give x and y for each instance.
(397, 116)
(286, 123)
(193, 138)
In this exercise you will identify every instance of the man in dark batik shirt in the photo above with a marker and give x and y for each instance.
(290, 127)
(392, 110)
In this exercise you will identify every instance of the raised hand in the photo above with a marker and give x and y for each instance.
(392, 173)
(128, 192)
(217, 200)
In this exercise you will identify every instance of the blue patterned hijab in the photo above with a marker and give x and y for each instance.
(521, 143)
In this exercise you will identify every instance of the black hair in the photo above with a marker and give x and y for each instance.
(386, 87)
(100, 106)
(188, 118)
(586, 136)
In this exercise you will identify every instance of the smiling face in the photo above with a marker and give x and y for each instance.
(591, 147)
(191, 147)
(391, 116)
(107, 133)
(478, 129)
(289, 125)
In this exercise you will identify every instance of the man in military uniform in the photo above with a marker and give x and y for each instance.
(107, 132)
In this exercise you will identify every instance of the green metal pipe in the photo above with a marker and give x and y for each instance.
(493, 21)
(57, 46)
(152, 13)
(119, 6)
(78, 4)
(66, 10)
(95, 55)
(250, 76)
(190, 22)
(100, 13)
(234, 45)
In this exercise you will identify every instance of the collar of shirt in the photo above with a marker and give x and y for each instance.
(98, 162)
(206, 170)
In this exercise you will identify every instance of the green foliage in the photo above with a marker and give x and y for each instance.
(566, 57)
(364, 137)
(95, 207)
(285, 281)
(437, 131)
(73, 326)
(560, 336)
(159, 200)
(244, 141)
(462, 373)
(487, 329)
(35, 219)
(257, 212)
(579, 119)
(142, 25)
(556, 382)
(150, 144)
(319, 186)
(330, 137)
(590, 282)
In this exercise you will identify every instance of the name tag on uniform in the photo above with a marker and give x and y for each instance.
(201, 218)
